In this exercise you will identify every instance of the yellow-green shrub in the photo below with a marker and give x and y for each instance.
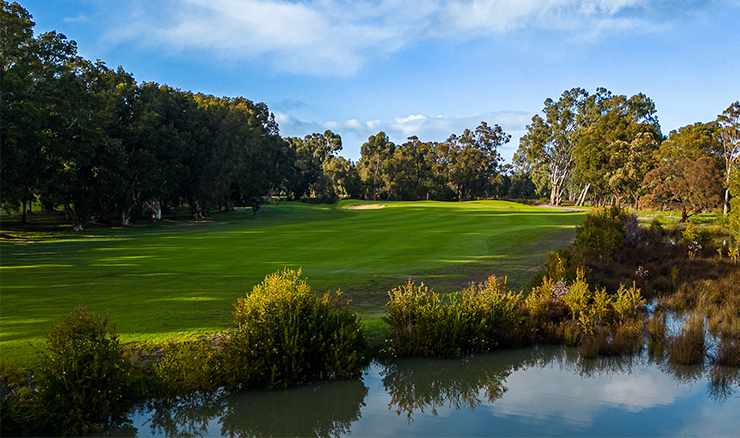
(287, 336)
(479, 318)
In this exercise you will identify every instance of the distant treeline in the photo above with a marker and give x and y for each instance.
(92, 140)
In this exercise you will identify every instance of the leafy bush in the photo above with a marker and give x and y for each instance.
(188, 366)
(477, 319)
(602, 233)
(16, 402)
(421, 325)
(562, 264)
(287, 336)
(571, 313)
(83, 378)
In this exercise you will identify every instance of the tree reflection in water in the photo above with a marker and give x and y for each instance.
(324, 409)
(420, 384)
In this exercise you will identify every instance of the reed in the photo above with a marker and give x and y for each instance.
(688, 346)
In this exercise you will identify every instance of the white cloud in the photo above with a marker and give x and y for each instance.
(538, 393)
(355, 132)
(80, 18)
(337, 37)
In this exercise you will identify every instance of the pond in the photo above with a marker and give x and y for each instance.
(538, 391)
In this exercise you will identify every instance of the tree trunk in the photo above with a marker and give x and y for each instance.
(727, 201)
(76, 223)
(126, 217)
(582, 197)
(23, 211)
(156, 208)
(269, 195)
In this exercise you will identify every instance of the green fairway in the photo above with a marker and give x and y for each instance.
(176, 278)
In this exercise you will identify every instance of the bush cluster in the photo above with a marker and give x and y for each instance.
(287, 336)
(83, 381)
(479, 318)
(86, 379)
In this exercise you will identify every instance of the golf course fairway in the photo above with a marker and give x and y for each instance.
(179, 278)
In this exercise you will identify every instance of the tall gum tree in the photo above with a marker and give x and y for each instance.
(729, 125)
(550, 140)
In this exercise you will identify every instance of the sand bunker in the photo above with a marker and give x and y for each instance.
(364, 207)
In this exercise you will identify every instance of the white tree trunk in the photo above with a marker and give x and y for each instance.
(126, 218)
(582, 198)
(156, 210)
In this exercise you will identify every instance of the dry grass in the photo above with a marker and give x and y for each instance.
(688, 346)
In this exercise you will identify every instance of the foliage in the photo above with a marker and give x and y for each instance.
(729, 127)
(287, 336)
(734, 213)
(601, 140)
(602, 233)
(572, 313)
(83, 378)
(562, 264)
(477, 319)
(187, 366)
(687, 185)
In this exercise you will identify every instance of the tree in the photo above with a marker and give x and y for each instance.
(734, 214)
(688, 185)
(313, 153)
(550, 141)
(692, 142)
(616, 145)
(374, 156)
(473, 159)
(729, 125)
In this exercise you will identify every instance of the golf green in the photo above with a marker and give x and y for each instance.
(180, 278)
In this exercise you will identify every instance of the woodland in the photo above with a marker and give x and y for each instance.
(91, 140)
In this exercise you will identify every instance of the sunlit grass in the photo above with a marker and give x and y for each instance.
(181, 277)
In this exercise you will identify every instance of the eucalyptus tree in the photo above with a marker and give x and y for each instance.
(729, 125)
(473, 159)
(55, 113)
(312, 154)
(692, 142)
(375, 156)
(550, 141)
(617, 145)
(410, 169)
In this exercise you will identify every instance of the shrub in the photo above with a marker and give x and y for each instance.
(422, 325)
(287, 336)
(16, 401)
(479, 318)
(496, 314)
(562, 264)
(602, 233)
(187, 366)
(83, 376)
(727, 353)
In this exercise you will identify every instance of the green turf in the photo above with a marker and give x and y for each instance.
(177, 278)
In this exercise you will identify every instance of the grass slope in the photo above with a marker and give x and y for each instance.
(180, 278)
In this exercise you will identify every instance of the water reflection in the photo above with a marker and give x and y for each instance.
(535, 391)
(419, 384)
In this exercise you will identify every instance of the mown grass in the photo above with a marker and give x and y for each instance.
(178, 278)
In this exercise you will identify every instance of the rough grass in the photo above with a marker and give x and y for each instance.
(178, 278)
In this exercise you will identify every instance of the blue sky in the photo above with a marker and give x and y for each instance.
(425, 68)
